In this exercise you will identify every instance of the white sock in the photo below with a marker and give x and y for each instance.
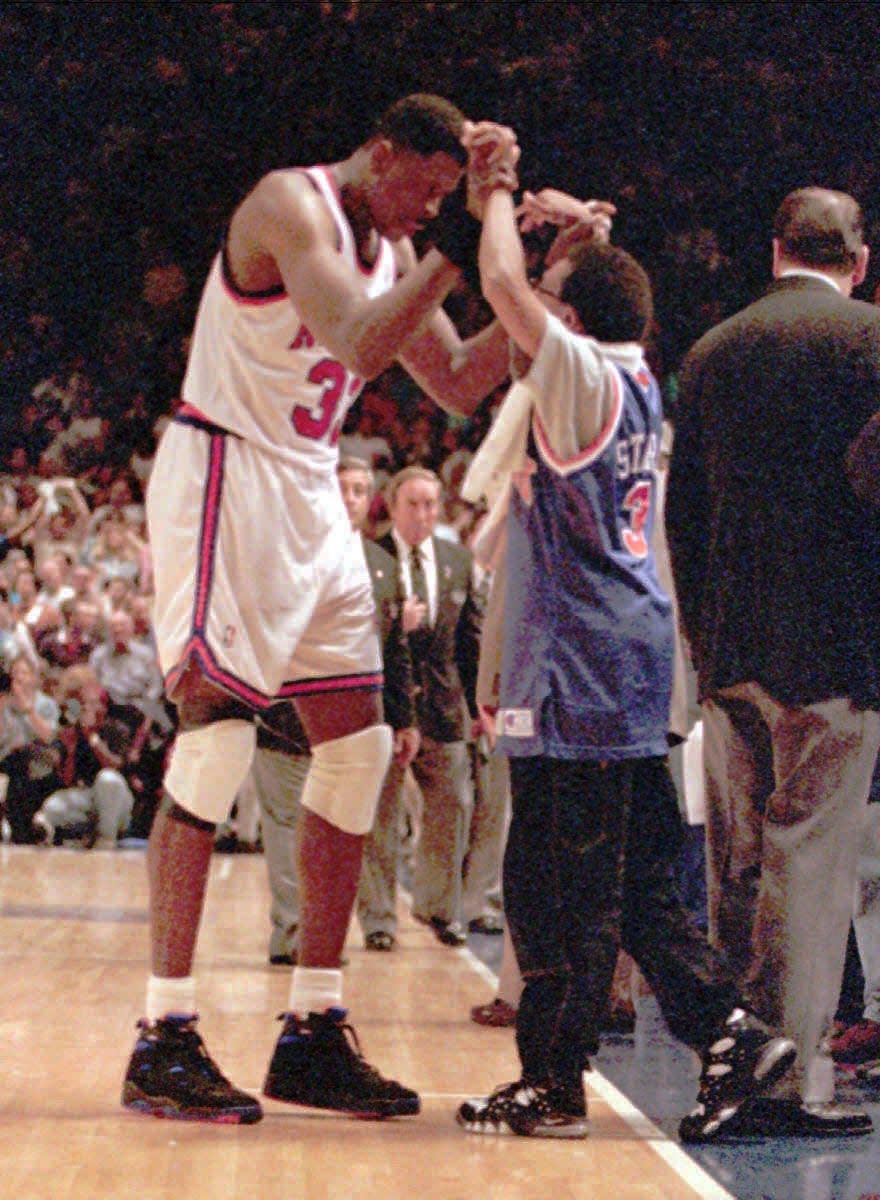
(314, 990)
(166, 995)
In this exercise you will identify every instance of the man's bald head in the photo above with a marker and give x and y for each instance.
(820, 228)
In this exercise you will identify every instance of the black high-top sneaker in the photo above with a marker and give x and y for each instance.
(171, 1074)
(318, 1063)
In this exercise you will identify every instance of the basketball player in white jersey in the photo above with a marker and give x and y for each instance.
(261, 587)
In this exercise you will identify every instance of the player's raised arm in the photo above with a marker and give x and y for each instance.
(502, 260)
(503, 274)
(458, 373)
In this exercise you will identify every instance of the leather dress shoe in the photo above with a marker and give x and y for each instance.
(768, 1117)
(486, 923)
(379, 939)
(450, 933)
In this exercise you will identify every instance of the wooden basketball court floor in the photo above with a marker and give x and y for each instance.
(73, 953)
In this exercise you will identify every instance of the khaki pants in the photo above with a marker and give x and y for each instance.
(786, 790)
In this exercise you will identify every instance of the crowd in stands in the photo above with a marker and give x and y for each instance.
(81, 691)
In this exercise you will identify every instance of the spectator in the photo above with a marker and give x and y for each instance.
(128, 671)
(282, 758)
(141, 609)
(125, 667)
(82, 443)
(117, 593)
(117, 551)
(14, 524)
(28, 751)
(95, 801)
(84, 582)
(438, 580)
(76, 636)
(15, 637)
(53, 575)
(62, 524)
(24, 594)
(123, 497)
(859, 1042)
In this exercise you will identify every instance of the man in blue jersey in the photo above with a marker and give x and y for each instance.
(585, 687)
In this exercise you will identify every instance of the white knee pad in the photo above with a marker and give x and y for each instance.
(208, 766)
(346, 776)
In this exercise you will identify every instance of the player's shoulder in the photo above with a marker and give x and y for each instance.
(283, 186)
(287, 196)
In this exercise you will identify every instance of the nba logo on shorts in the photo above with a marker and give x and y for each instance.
(229, 636)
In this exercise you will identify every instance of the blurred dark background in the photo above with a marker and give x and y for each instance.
(130, 131)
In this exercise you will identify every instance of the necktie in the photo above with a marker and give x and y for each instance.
(417, 575)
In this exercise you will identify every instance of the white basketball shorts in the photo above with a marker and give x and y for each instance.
(259, 577)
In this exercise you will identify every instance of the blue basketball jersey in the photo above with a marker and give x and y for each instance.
(587, 655)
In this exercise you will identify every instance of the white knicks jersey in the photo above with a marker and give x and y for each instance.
(254, 368)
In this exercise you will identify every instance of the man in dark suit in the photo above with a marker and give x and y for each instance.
(444, 643)
(776, 569)
(282, 757)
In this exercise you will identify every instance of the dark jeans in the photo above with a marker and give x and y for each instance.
(589, 866)
(31, 780)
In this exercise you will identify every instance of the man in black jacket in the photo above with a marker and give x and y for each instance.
(776, 569)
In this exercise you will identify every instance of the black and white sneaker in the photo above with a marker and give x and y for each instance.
(171, 1074)
(526, 1110)
(744, 1061)
(318, 1063)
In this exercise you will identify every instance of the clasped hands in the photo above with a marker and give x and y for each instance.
(493, 155)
